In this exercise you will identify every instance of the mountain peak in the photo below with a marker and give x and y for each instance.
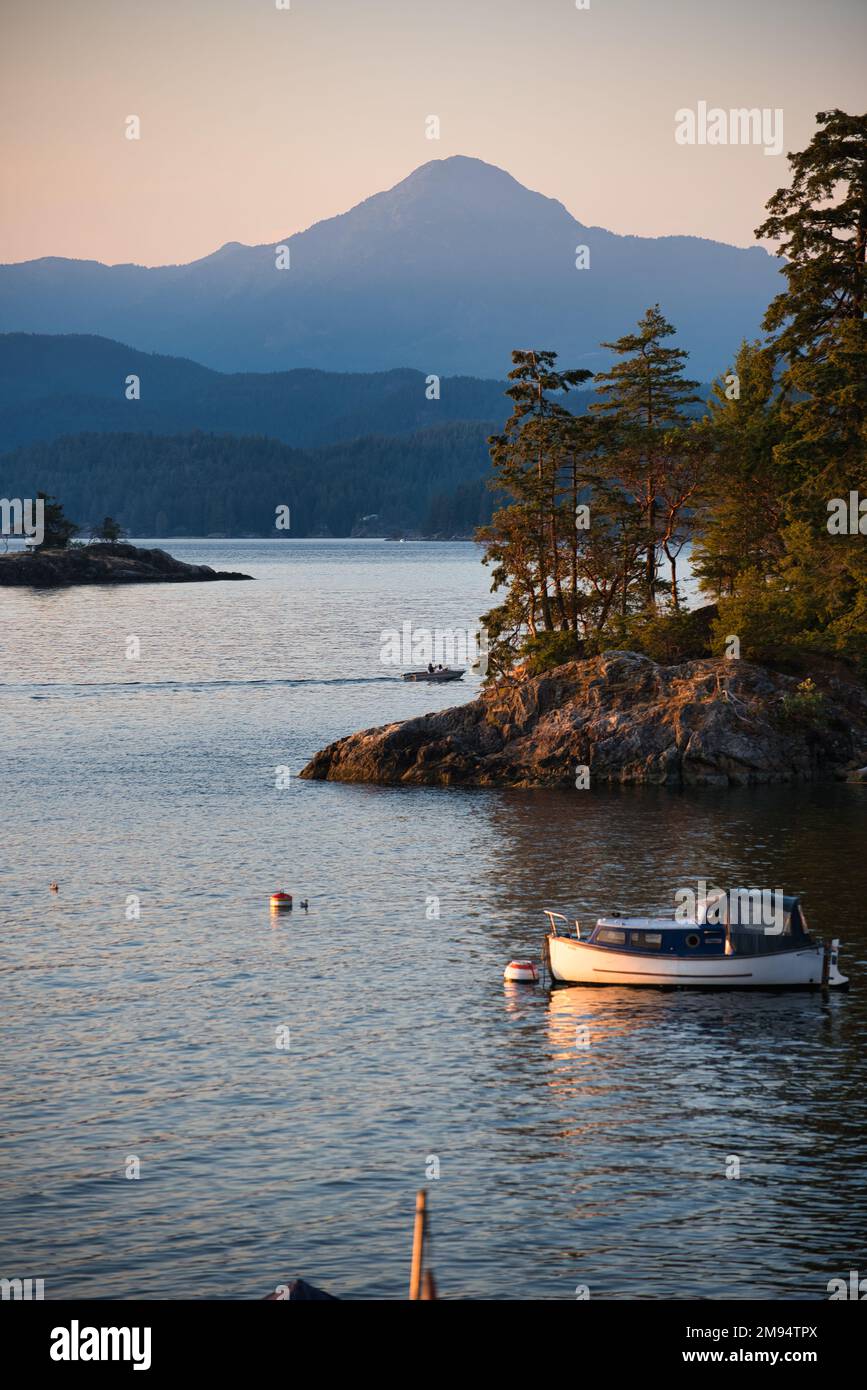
(461, 167)
(456, 192)
(464, 176)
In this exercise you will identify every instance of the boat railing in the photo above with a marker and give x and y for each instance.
(560, 917)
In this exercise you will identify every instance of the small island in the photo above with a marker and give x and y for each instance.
(102, 563)
(57, 561)
(601, 665)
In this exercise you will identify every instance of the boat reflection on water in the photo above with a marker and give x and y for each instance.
(644, 1103)
(718, 1052)
(580, 1018)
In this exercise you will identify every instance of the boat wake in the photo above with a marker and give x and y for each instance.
(91, 689)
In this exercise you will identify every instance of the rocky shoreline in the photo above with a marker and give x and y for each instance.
(102, 563)
(626, 719)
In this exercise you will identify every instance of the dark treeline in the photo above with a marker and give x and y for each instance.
(431, 482)
(768, 484)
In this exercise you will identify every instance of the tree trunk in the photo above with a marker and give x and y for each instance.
(574, 576)
(650, 562)
(672, 561)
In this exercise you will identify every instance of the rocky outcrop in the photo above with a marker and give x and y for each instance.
(102, 563)
(624, 718)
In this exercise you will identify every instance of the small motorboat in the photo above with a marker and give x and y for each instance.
(438, 674)
(720, 946)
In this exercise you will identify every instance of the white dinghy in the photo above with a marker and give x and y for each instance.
(720, 946)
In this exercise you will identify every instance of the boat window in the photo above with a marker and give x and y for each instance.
(713, 938)
(693, 939)
(652, 939)
(611, 937)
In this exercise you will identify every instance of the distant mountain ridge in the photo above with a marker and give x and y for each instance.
(445, 273)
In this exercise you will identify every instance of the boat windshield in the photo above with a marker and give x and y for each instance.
(763, 911)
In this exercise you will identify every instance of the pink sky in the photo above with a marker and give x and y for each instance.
(258, 121)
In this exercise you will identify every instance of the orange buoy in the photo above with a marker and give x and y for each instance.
(281, 902)
(521, 972)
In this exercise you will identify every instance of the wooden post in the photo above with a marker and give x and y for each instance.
(418, 1244)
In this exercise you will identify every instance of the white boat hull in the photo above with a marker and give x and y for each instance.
(434, 677)
(578, 962)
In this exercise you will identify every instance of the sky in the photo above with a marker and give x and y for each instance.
(256, 121)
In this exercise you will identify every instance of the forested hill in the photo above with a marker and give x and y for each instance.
(431, 482)
(55, 385)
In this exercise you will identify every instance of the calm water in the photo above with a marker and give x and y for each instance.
(156, 1037)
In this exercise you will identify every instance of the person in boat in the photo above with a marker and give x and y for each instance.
(430, 667)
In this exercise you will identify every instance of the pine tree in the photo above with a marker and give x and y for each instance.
(739, 526)
(527, 460)
(815, 593)
(108, 530)
(819, 336)
(644, 396)
(58, 529)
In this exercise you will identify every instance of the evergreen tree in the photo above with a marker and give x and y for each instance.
(644, 396)
(108, 530)
(819, 336)
(740, 522)
(58, 529)
(527, 459)
(806, 589)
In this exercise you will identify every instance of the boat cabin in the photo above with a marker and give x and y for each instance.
(724, 925)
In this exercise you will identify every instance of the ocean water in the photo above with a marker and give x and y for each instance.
(150, 1043)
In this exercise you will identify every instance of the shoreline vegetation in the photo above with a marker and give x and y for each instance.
(763, 487)
(593, 658)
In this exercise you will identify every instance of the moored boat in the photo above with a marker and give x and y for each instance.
(715, 948)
